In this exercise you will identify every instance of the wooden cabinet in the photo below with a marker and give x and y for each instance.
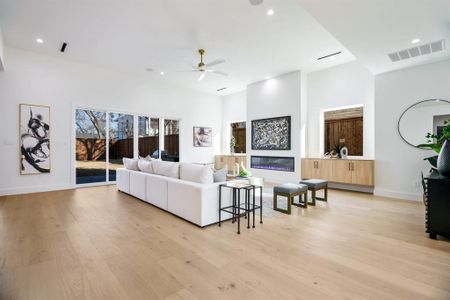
(341, 171)
(229, 161)
(316, 168)
(363, 172)
(359, 172)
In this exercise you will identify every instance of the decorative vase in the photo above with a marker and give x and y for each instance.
(443, 162)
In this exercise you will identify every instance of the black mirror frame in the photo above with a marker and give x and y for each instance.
(404, 112)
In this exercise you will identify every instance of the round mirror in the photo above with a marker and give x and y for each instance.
(424, 117)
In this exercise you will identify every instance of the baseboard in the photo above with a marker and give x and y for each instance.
(398, 195)
(35, 189)
(351, 187)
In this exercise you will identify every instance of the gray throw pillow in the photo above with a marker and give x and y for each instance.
(220, 175)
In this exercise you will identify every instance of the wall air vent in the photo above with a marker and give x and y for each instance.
(221, 89)
(417, 51)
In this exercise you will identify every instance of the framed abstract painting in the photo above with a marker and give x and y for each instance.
(34, 131)
(271, 134)
(202, 137)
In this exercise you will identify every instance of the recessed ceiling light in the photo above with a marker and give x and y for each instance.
(267, 77)
(415, 41)
(39, 41)
(161, 73)
(270, 12)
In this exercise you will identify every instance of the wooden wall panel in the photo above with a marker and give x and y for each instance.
(351, 130)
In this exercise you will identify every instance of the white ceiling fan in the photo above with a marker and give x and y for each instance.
(204, 68)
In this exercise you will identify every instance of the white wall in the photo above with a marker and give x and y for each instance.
(33, 78)
(342, 86)
(398, 165)
(276, 97)
(234, 110)
(2, 53)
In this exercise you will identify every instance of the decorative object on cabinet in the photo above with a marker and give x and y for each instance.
(34, 130)
(344, 152)
(437, 205)
(271, 134)
(202, 137)
(243, 171)
(443, 162)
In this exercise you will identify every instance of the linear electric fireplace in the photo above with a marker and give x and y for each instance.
(274, 163)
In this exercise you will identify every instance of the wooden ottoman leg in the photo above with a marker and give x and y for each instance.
(326, 194)
(313, 195)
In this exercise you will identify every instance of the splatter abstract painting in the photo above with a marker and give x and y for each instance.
(271, 134)
(34, 121)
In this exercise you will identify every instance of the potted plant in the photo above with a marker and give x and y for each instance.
(440, 143)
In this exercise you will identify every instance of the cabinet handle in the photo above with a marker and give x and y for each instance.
(349, 166)
(353, 166)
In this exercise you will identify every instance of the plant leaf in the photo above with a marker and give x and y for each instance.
(432, 160)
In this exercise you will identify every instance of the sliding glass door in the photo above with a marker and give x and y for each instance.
(171, 140)
(90, 146)
(104, 138)
(121, 138)
(148, 136)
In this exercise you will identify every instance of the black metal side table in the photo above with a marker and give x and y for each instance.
(237, 209)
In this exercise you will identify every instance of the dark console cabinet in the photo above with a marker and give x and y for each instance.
(438, 205)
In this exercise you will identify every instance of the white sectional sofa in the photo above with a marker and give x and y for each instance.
(195, 202)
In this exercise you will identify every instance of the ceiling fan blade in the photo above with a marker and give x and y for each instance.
(187, 71)
(202, 76)
(218, 72)
(215, 62)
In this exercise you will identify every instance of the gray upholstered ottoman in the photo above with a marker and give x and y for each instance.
(290, 191)
(315, 185)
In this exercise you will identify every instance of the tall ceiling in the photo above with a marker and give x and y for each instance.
(164, 35)
(371, 29)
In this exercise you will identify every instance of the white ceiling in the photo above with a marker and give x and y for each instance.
(164, 35)
(371, 29)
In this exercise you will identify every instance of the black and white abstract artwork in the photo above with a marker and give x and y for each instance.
(271, 134)
(202, 137)
(34, 139)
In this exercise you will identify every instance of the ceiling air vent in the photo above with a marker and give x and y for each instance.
(417, 51)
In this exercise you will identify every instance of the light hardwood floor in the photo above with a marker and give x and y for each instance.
(97, 243)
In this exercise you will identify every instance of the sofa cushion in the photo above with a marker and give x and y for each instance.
(145, 166)
(130, 164)
(220, 175)
(196, 173)
(166, 168)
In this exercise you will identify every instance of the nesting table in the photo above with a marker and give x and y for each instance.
(238, 209)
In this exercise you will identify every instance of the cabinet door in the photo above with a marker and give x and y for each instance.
(362, 172)
(342, 171)
(323, 169)
(308, 168)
